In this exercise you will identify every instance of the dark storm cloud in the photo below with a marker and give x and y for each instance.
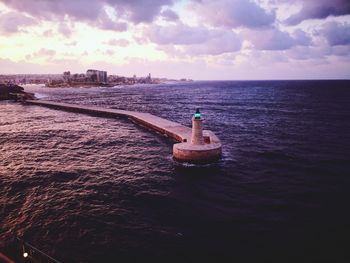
(318, 9)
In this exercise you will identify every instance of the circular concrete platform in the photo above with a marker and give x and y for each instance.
(203, 153)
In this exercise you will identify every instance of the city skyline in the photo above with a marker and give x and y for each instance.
(203, 40)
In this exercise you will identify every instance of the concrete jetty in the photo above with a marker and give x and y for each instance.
(208, 150)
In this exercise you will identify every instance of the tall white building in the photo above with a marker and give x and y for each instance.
(97, 75)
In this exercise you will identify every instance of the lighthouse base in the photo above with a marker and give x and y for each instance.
(206, 153)
(199, 153)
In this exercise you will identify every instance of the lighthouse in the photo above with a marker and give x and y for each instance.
(202, 147)
(197, 130)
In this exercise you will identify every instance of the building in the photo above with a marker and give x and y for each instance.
(97, 75)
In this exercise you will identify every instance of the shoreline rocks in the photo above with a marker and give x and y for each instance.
(14, 92)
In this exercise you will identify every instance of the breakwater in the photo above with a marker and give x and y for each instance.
(209, 151)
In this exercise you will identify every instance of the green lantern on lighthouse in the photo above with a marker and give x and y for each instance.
(197, 114)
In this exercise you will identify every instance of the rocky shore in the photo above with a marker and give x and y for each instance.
(14, 92)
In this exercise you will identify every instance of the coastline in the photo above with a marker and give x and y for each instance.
(108, 85)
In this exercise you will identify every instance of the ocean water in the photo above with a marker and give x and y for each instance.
(92, 189)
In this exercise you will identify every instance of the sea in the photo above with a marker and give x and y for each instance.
(91, 189)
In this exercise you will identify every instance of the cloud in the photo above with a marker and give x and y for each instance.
(309, 53)
(222, 42)
(135, 11)
(54, 67)
(336, 33)
(71, 44)
(46, 52)
(64, 29)
(233, 13)
(118, 42)
(301, 38)
(13, 22)
(109, 52)
(42, 53)
(104, 21)
(138, 11)
(318, 9)
(195, 40)
(321, 51)
(179, 34)
(47, 9)
(48, 33)
(92, 12)
(275, 39)
(11, 67)
(169, 15)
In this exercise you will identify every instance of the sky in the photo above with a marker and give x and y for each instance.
(197, 39)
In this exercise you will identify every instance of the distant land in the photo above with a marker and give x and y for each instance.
(91, 78)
